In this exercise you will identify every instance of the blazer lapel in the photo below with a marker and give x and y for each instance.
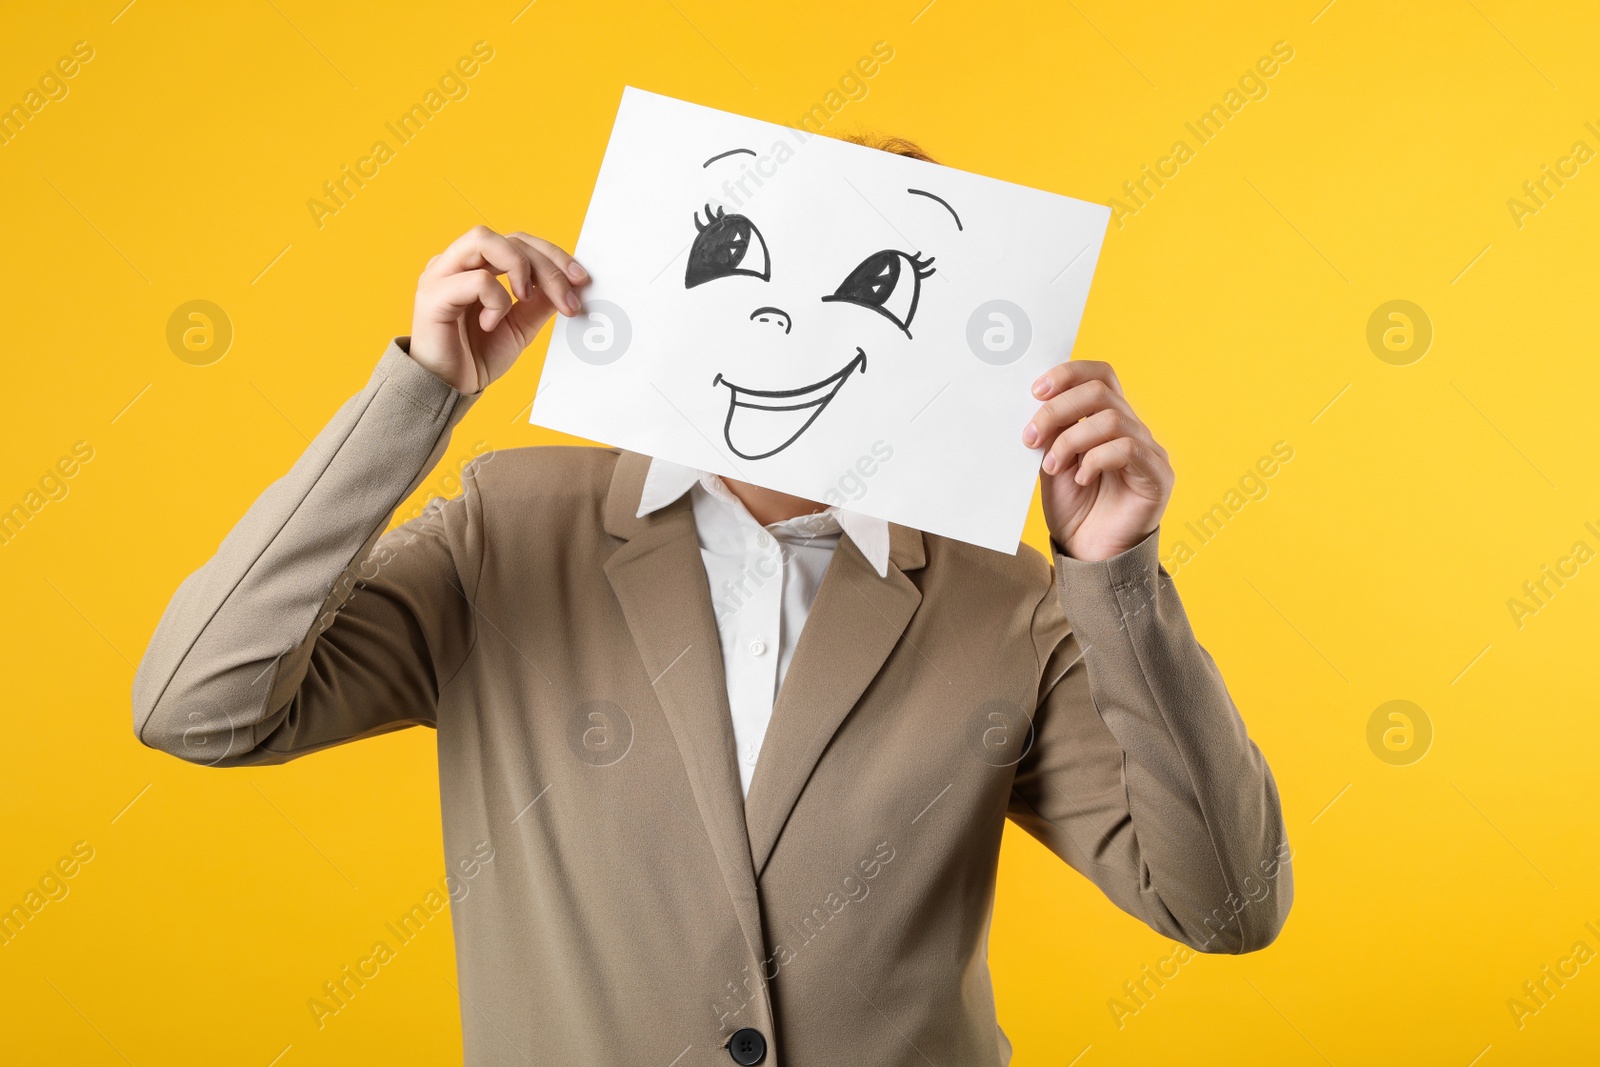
(855, 622)
(660, 581)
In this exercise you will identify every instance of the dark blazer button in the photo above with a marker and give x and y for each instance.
(747, 1047)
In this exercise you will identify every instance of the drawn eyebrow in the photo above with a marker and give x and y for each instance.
(942, 200)
(724, 155)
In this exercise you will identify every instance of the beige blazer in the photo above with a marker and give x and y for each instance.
(637, 909)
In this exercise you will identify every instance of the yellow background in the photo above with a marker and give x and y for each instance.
(1234, 305)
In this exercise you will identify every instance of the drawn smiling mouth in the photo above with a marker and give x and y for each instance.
(773, 419)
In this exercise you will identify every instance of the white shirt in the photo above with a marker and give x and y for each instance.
(763, 580)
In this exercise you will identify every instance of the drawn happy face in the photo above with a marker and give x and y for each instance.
(776, 389)
(766, 305)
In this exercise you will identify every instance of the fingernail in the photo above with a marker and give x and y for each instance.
(1050, 463)
(1041, 388)
(572, 302)
(576, 272)
(1030, 435)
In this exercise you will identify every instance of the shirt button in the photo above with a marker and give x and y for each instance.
(763, 539)
(758, 648)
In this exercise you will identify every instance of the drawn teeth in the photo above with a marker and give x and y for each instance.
(821, 392)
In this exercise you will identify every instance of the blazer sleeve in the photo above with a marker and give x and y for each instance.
(1141, 775)
(307, 629)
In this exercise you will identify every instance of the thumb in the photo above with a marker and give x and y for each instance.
(526, 319)
(494, 351)
(502, 345)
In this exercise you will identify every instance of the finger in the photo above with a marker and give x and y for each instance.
(454, 294)
(1076, 440)
(555, 254)
(1064, 376)
(1079, 402)
(481, 248)
(1136, 458)
(550, 279)
(1111, 456)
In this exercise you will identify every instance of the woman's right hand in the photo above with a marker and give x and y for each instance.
(465, 328)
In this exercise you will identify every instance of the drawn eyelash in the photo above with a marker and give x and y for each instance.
(712, 215)
(923, 267)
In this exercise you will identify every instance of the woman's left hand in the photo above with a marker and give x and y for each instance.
(1104, 479)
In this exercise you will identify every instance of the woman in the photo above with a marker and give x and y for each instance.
(761, 832)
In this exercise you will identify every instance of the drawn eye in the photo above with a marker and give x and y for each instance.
(889, 283)
(726, 245)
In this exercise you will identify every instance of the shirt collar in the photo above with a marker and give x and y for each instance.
(665, 482)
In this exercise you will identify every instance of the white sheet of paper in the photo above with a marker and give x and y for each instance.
(820, 318)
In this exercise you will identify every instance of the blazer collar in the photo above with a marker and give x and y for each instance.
(855, 623)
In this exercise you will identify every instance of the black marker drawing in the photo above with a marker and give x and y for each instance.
(887, 282)
(724, 243)
(930, 196)
(772, 314)
(879, 283)
(814, 397)
(725, 155)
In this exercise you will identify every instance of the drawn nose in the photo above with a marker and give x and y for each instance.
(777, 316)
